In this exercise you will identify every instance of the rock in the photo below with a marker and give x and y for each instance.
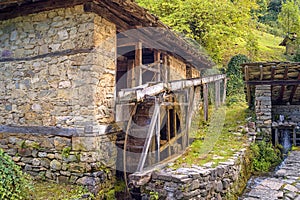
(61, 142)
(55, 165)
(290, 188)
(87, 181)
(291, 195)
(36, 162)
(42, 154)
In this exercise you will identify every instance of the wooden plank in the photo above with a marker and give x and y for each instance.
(248, 89)
(149, 137)
(138, 63)
(274, 82)
(205, 103)
(157, 60)
(191, 100)
(224, 90)
(217, 93)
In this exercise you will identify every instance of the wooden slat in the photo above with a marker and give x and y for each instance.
(273, 70)
(261, 72)
(224, 90)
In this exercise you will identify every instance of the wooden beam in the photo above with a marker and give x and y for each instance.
(274, 82)
(205, 103)
(138, 62)
(35, 7)
(294, 90)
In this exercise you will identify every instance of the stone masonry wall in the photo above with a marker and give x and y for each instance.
(263, 108)
(196, 182)
(292, 112)
(86, 161)
(57, 69)
(57, 75)
(177, 69)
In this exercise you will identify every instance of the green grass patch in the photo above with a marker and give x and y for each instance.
(53, 191)
(218, 139)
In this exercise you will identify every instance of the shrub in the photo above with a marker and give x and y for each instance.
(235, 83)
(14, 184)
(265, 156)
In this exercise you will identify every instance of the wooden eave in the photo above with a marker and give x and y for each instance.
(284, 78)
(126, 14)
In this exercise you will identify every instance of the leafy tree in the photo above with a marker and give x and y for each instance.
(289, 17)
(216, 25)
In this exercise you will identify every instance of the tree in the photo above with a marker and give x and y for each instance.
(216, 25)
(289, 17)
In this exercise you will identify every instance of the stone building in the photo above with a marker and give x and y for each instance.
(272, 90)
(76, 75)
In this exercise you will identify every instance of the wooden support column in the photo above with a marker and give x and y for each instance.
(157, 60)
(276, 136)
(247, 85)
(217, 93)
(131, 74)
(205, 103)
(158, 137)
(294, 136)
(138, 63)
(224, 91)
(168, 130)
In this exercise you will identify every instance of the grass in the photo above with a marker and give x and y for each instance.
(268, 47)
(219, 139)
(53, 191)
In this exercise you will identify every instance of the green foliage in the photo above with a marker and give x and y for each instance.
(66, 152)
(289, 17)
(14, 184)
(265, 156)
(235, 83)
(216, 25)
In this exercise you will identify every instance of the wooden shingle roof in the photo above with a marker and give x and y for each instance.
(284, 77)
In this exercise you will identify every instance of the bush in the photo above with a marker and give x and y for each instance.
(235, 83)
(265, 156)
(14, 184)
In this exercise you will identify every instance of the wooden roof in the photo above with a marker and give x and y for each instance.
(284, 77)
(126, 14)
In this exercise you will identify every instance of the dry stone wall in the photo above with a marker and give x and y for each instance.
(221, 182)
(263, 108)
(57, 75)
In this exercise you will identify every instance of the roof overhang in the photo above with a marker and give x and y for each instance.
(126, 14)
(284, 77)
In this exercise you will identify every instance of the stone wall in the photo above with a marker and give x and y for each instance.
(177, 69)
(86, 161)
(222, 182)
(291, 112)
(57, 77)
(263, 108)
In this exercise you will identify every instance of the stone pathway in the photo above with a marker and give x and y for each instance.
(285, 184)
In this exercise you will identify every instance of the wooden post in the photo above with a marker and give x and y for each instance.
(205, 103)
(276, 136)
(224, 91)
(138, 63)
(168, 130)
(131, 74)
(294, 136)
(157, 60)
(158, 137)
(247, 85)
(217, 93)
